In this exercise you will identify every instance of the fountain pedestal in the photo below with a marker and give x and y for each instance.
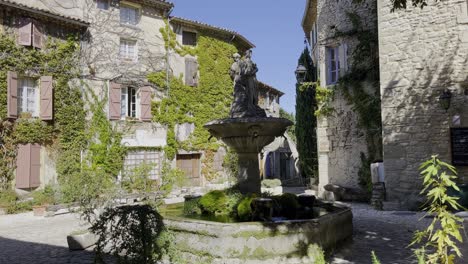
(247, 137)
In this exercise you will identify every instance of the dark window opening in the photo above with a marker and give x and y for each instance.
(189, 38)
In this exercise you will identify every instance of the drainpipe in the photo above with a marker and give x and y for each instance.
(167, 51)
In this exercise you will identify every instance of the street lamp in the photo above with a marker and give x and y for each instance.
(444, 99)
(300, 73)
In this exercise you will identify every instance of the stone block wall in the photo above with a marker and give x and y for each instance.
(422, 52)
(340, 141)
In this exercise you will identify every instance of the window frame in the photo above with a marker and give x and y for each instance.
(190, 32)
(22, 102)
(128, 5)
(103, 1)
(128, 165)
(125, 100)
(125, 56)
(335, 72)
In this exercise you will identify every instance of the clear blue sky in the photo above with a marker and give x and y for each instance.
(273, 26)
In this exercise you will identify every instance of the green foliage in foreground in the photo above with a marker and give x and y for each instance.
(443, 233)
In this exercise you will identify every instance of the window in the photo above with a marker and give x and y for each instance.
(129, 103)
(136, 158)
(189, 38)
(102, 4)
(313, 36)
(129, 15)
(128, 49)
(30, 33)
(333, 65)
(28, 96)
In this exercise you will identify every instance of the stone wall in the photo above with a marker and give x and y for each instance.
(422, 52)
(340, 141)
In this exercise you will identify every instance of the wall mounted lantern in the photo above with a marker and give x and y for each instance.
(300, 73)
(444, 99)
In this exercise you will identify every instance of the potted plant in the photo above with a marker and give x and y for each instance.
(41, 199)
(7, 199)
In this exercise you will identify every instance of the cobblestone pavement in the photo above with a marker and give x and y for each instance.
(28, 239)
(388, 233)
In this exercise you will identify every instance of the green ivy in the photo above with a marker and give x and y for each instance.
(197, 105)
(65, 133)
(361, 88)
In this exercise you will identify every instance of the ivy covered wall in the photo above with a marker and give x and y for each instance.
(65, 134)
(210, 100)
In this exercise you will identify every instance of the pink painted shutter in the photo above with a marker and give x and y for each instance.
(114, 101)
(12, 94)
(145, 103)
(37, 36)
(35, 166)
(46, 98)
(24, 32)
(23, 160)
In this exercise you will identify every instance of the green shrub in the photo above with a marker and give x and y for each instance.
(7, 198)
(220, 202)
(244, 209)
(20, 207)
(192, 206)
(271, 183)
(44, 196)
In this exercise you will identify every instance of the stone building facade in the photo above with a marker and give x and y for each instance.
(422, 53)
(121, 42)
(29, 92)
(339, 141)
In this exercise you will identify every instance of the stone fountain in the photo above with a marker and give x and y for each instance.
(248, 129)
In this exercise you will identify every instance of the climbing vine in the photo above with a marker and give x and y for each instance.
(210, 100)
(65, 133)
(360, 87)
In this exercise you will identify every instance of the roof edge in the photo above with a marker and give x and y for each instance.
(194, 23)
(46, 13)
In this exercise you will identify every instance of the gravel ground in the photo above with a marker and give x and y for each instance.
(25, 238)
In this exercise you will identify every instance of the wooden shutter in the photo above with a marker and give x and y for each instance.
(23, 159)
(12, 94)
(114, 101)
(35, 166)
(191, 72)
(145, 103)
(28, 166)
(46, 98)
(37, 35)
(24, 31)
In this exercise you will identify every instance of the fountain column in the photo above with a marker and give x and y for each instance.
(249, 173)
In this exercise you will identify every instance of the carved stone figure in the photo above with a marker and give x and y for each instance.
(244, 74)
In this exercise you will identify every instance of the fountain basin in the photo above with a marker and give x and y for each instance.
(287, 241)
(248, 135)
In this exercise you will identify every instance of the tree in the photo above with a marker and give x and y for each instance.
(292, 129)
(306, 122)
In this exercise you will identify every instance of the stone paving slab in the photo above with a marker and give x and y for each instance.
(388, 233)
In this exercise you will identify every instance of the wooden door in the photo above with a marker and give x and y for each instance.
(190, 164)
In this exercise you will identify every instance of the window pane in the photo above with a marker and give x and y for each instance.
(123, 102)
(189, 38)
(28, 96)
(103, 4)
(128, 15)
